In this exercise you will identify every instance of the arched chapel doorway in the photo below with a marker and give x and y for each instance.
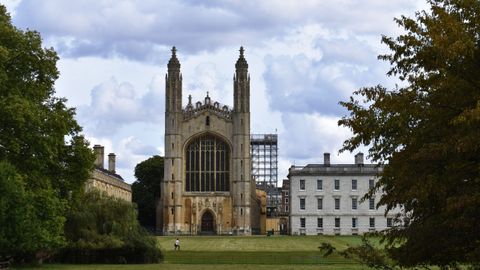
(208, 222)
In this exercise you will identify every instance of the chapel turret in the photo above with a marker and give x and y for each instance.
(241, 84)
(173, 84)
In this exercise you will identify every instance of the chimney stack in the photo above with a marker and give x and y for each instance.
(326, 159)
(111, 162)
(359, 158)
(98, 150)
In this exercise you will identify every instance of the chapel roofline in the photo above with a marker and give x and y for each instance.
(217, 108)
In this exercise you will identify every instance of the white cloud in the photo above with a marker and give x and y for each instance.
(145, 30)
(321, 69)
(304, 57)
(310, 135)
(132, 151)
(115, 104)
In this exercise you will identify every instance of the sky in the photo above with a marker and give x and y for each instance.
(304, 57)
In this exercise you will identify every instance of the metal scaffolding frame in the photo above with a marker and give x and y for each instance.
(264, 156)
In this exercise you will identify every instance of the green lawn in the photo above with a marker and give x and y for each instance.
(254, 252)
(279, 250)
(166, 266)
(257, 243)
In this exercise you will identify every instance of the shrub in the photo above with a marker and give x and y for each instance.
(102, 229)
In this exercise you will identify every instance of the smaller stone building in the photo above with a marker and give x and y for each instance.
(106, 180)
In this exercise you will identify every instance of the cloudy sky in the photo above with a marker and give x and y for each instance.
(304, 57)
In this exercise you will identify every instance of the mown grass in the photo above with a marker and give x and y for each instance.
(257, 243)
(278, 250)
(166, 266)
(231, 252)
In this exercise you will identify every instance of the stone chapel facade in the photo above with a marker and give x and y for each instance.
(207, 186)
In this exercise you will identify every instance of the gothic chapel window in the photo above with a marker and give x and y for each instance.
(207, 165)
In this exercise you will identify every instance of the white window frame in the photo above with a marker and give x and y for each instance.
(320, 219)
(335, 181)
(321, 184)
(354, 199)
(389, 222)
(371, 204)
(319, 203)
(304, 203)
(304, 222)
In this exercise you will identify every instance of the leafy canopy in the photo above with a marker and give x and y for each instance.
(41, 172)
(25, 228)
(146, 190)
(427, 134)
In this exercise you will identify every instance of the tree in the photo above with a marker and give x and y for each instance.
(146, 190)
(39, 138)
(24, 228)
(103, 229)
(425, 133)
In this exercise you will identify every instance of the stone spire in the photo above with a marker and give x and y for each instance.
(189, 105)
(241, 85)
(207, 99)
(241, 62)
(174, 64)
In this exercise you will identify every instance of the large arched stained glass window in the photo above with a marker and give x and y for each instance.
(207, 165)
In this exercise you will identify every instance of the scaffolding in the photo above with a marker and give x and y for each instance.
(264, 155)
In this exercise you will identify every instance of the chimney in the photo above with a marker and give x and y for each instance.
(98, 150)
(326, 159)
(359, 158)
(111, 162)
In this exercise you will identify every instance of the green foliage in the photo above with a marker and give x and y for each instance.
(103, 229)
(365, 253)
(327, 249)
(426, 135)
(146, 190)
(34, 124)
(30, 221)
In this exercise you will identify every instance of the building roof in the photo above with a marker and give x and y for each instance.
(335, 169)
(109, 173)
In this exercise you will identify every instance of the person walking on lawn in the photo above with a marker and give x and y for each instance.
(177, 244)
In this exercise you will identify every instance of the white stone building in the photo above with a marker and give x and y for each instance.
(325, 199)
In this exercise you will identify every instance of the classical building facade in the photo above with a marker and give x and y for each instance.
(207, 186)
(325, 199)
(107, 180)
